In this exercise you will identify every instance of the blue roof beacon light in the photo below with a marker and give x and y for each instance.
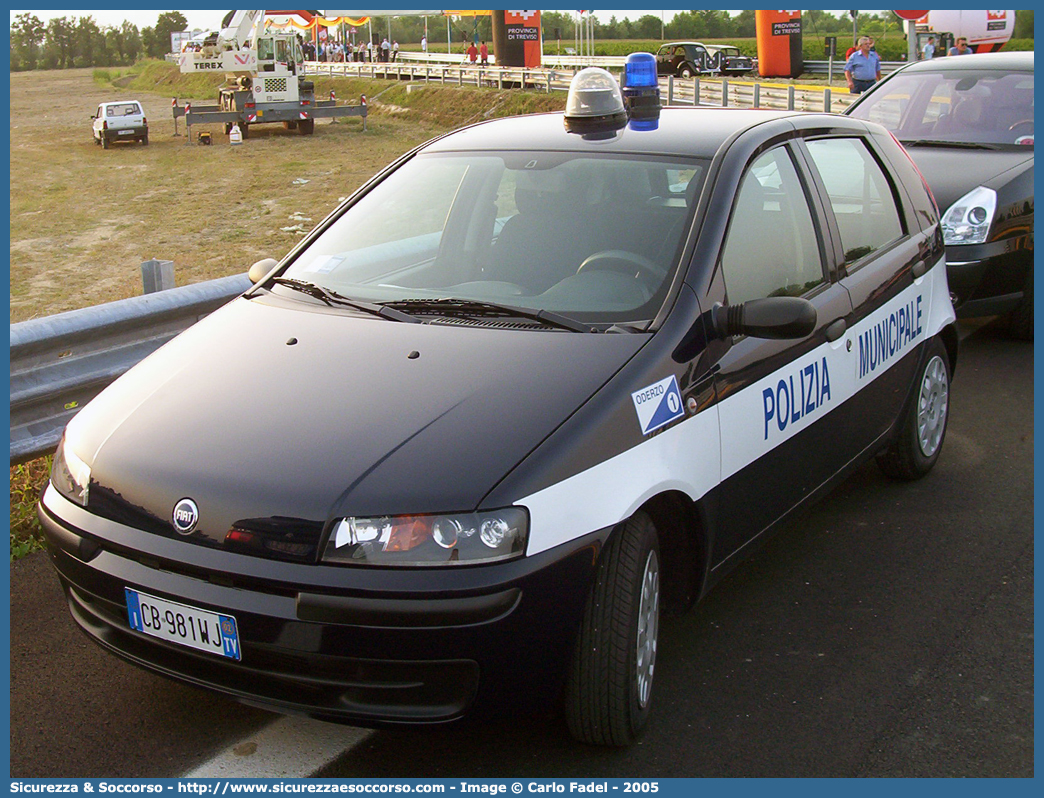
(595, 102)
(641, 91)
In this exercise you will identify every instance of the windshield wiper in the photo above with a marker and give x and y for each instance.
(964, 145)
(332, 298)
(472, 307)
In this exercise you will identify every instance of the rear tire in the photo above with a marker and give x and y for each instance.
(105, 142)
(686, 73)
(608, 696)
(1020, 320)
(145, 139)
(920, 439)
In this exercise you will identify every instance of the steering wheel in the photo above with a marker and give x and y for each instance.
(1021, 123)
(620, 260)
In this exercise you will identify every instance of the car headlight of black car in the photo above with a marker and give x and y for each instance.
(968, 220)
(70, 475)
(412, 540)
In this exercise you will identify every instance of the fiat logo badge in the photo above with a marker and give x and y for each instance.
(185, 516)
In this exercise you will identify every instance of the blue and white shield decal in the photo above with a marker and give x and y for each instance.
(658, 404)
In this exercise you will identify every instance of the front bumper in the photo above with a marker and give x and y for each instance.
(368, 646)
(988, 279)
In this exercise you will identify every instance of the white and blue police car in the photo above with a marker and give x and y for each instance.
(535, 382)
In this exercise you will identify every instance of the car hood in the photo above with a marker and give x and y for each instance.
(951, 173)
(276, 418)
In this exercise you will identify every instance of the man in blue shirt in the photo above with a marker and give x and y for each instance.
(863, 67)
(961, 48)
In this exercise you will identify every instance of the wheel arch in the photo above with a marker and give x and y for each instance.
(948, 336)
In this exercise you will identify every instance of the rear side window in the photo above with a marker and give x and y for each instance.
(860, 194)
(772, 248)
(123, 109)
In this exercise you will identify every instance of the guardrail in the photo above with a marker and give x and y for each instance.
(61, 362)
(570, 62)
(722, 92)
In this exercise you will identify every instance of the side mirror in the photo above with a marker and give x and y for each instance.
(777, 317)
(261, 268)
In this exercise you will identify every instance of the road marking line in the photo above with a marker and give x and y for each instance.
(291, 747)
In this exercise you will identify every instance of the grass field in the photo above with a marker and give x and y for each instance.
(83, 219)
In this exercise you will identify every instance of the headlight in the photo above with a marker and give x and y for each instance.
(458, 539)
(70, 476)
(968, 220)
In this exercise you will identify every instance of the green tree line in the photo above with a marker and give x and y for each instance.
(66, 42)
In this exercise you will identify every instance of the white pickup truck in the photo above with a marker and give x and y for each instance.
(120, 121)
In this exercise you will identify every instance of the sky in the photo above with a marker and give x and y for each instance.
(211, 18)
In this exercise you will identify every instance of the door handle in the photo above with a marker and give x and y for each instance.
(836, 330)
(919, 268)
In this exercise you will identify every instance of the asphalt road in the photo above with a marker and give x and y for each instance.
(887, 632)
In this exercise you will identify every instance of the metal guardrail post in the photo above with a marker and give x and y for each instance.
(757, 95)
(695, 91)
(826, 101)
(157, 275)
(790, 98)
(670, 90)
(724, 93)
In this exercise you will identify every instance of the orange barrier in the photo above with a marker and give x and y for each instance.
(779, 43)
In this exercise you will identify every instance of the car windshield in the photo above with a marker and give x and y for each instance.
(592, 237)
(961, 106)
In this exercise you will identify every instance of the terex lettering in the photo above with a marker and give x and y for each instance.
(890, 336)
(797, 395)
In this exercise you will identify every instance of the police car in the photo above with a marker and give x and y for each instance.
(538, 381)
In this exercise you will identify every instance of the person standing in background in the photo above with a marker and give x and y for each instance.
(928, 51)
(863, 67)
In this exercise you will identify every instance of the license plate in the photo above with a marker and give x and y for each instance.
(182, 624)
(125, 133)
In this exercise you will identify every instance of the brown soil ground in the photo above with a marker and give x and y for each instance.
(83, 219)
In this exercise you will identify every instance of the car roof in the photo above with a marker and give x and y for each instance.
(1015, 61)
(684, 132)
(119, 102)
(677, 44)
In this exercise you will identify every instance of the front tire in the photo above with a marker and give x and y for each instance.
(608, 696)
(920, 439)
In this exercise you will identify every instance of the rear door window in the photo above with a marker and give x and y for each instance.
(861, 197)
